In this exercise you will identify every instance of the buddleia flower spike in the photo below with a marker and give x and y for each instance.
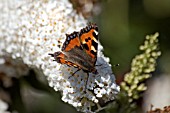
(35, 29)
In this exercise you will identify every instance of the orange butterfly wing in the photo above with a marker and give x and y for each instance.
(89, 39)
(80, 49)
(60, 58)
(71, 42)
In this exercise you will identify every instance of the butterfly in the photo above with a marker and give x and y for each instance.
(80, 49)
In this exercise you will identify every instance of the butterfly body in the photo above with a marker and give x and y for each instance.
(80, 49)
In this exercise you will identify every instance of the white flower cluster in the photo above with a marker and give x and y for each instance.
(32, 29)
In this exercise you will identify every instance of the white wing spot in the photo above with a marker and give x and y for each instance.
(92, 48)
(84, 42)
(95, 32)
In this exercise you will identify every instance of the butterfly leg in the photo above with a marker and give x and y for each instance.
(74, 73)
(87, 81)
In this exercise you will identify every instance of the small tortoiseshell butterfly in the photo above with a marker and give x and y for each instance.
(80, 49)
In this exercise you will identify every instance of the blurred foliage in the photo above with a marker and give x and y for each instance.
(122, 26)
(31, 94)
(134, 85)
(141, 68)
